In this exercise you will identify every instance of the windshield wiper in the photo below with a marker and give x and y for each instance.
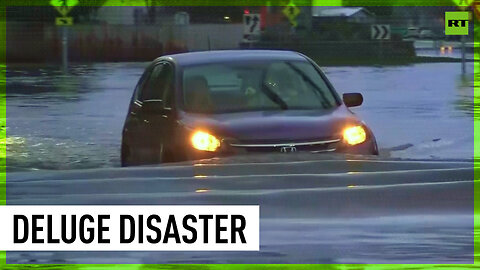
(274, 96)
(325, 102)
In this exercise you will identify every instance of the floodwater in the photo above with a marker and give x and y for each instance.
(413, 204)
(74, 121)
(313, 208)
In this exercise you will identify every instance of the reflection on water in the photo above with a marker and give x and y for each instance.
(465, 94)
(311, 210)
(476, 102)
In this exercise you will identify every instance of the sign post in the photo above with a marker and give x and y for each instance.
(463, 5)
(64, 7)
(380, 32)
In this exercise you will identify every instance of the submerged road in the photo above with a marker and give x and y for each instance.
(59, 122)
(313, 208)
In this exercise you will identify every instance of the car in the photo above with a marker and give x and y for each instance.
(200, 105)
(427, 34)
(412, 32)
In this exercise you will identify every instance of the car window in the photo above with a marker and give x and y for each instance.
(140, 85)
(168, 92)
(159, 83)
(153, 88)
(255, 86)
(296, 85)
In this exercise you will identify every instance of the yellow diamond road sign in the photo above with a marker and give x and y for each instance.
(64, 21)
(63, 6)
(463, 2)
(291, 12)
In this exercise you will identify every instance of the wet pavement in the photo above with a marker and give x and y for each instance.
(313, 208)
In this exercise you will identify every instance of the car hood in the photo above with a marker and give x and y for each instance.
(273, 126)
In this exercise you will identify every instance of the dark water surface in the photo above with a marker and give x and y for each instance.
(316, 209)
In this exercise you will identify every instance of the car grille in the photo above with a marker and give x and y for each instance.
(316, 146)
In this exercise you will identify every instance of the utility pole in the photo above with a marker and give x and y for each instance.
(65, 49)
(463, 55)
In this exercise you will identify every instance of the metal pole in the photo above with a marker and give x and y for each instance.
(463, 54)
(65, 49)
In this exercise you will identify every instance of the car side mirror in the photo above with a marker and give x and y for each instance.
(154, 106)
(352, 99)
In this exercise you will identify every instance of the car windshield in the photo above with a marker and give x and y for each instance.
(255, 86)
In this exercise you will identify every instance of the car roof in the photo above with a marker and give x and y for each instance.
(206, 57)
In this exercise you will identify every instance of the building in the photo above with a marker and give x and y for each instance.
(343, 14)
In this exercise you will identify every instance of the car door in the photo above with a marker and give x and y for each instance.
(158, 123)
(133, 129)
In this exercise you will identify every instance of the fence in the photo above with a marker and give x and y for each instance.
(39, 42)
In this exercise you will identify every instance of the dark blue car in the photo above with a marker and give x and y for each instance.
(219, 103)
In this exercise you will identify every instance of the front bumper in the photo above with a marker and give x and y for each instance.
(369, 147)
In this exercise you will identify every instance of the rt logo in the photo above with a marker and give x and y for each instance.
(456, 22)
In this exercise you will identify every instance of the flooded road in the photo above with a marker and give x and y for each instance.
(74, 121)
(415, 111)
(313, 208)
(413, 204)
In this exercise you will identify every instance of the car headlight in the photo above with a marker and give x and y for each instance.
(203, 141)
(354, 135)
